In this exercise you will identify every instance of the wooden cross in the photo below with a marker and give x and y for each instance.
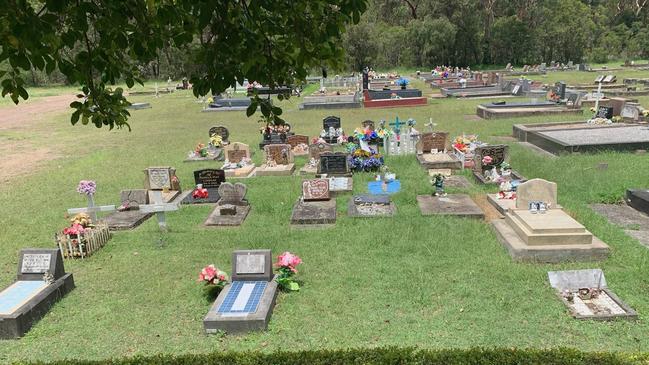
(159, 207)
(92, 209)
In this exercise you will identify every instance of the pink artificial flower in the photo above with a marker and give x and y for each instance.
(207, 274)
(288, 260)
(487, 160)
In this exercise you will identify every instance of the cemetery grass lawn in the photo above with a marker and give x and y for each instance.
(403, 281)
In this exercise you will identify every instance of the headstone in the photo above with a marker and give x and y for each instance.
(605, 112)
(233, 196)
(587, 296)
(221, 131)
(280, 153)
(630, 112)
(333, 164)
(40, 282)
(499, 154)
(331, 121)
(235, 152)
(436, 141)
(297, 139)
(315, 189)
(209, 178)
(247, 303)
(315, 150)
(162, 178)
(536, 190)
(366, 79)
(368, 124)
(560, 90)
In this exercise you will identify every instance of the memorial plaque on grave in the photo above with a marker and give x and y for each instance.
(315, 150)
(604, 112)
(331, 121)
(372, 199)
(280, 153)
(333, 163)
(236, 152)
(498, 153)
(221, 131)
(209, 178)
(297, 139)
(315, 189)
(159, 178)
(434, 141)
(36, 263)
(252, 265)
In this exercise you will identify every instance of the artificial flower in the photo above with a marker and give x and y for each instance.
(87, 187)
(211, 275)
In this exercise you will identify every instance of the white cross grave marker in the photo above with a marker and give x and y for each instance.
(159, 207)
(92, 209)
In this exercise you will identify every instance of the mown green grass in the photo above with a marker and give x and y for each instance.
(407, 280)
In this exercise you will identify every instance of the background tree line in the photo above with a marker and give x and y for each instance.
(426, 33)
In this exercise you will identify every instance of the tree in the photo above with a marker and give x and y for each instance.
(97, 44)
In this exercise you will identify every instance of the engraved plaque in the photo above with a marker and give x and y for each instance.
(280, 153)
(315, 189)
(296, 139)
(333, 164)
(159, 178)
(434, 141)
(315, 150)
(251, 264)
(36, 263)
(209, 178)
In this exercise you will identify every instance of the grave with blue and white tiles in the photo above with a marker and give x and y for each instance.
(246, 304)
(41, 281)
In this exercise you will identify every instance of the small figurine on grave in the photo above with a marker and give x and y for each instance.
(506, 190)
(439, 185)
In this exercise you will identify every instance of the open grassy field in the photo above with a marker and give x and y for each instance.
(408, 280)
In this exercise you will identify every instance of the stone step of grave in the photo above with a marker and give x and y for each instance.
(548, 229)
(505, 205)
(439, 161)
(520, 251)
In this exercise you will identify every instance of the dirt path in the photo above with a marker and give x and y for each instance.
(20, 155)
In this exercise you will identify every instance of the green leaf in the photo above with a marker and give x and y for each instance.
(252, 108)
(75, 117)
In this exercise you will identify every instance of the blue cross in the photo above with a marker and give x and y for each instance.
(397, 126)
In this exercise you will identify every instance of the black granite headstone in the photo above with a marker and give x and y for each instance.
(333, 164)
(605, 112)
(331, 121)
(209, 178)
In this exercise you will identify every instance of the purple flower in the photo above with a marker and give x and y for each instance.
(87, 187)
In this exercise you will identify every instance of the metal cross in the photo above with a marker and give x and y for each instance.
(397, 126)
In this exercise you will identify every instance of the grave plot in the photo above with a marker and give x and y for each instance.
(227, 104)
(40, 283)
(246, 304)
(371, 206)
(638, 199)
(232, 209)
(560, 138)
(633, 222)
(434, 152)
(456, 205)
(164, 180)
(299, 144)
(331, 129)
(138, 106)
(315, 150)
(537, 230)
(238, 162)
(332, 100)
(587, 295)
(340, 184)
(392, 97)
(218, 137)
(86, 233)
(450, 180)
(403, 138)
(490, 165)
(279, 161)
(128, 215)
(275, 134)
(315, 206)
(207, 187)
(500, 110)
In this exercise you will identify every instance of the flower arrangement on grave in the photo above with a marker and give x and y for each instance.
(214, 280)
(200, 150)
(617, 119)
(227, 165)
(301, 148)
(402, 81)
(361, 160)
(316, 140)
(286, 268)
(87, 187)
(645, 113)
(465, 143)
(200, 192)
(210, 100)
(216, 140)
(372, 136)
(79, 225)
(495, 172)
(254, 85)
